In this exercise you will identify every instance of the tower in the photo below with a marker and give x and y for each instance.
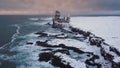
(57, 15)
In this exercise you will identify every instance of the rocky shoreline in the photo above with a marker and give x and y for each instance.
(74, 48)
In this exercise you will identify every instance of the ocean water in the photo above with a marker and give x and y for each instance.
(15, 31)
(8, 28)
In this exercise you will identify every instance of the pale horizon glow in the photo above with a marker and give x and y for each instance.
(67, 6)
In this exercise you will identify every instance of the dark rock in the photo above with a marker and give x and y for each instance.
(71, 48)
(44, 44)
(115, 65)
(77, 30)
(41, 43)
(95, 57)
(29, 43)
(46, 49)
(88, 55)
(61, 45)
(58, 22)
(95, 41)
(115, 50)
(42, 34)
(48, 23)
(81, 32)
(110, 57)
(64, 51)
(74, 29)
(86, 34)
(56, 61)
(106, 56)
(91, 61)
(92, 42)
(45, 56)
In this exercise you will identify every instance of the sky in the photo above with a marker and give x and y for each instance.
(66, 6)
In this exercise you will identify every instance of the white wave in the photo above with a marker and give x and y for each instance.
(13, 37)
(39, 23)
(31, 35)
(37, 18)
(28, 55)
(34, 19)
(49, 18)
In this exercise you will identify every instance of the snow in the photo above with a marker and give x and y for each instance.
(62, 35)
(68, 42)
(105, 27)
(75, 43)
(74, 63)
(117, 59)
(82, 46)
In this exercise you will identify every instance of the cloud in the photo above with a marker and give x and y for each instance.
(107, 4)
(49, 6)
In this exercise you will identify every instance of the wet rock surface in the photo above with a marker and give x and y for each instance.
(75, 48)
(29, 43)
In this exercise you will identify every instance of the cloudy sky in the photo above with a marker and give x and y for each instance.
(68, 6)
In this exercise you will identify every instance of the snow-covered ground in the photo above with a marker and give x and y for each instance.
(106, 27)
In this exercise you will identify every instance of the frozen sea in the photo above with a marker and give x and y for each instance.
(106, 27)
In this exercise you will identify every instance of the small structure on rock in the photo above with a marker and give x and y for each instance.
(60, 22)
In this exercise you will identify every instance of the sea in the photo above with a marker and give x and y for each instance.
(15, 30)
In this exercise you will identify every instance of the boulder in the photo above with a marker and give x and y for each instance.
(45, 56)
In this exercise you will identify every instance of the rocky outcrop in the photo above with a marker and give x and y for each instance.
(29, 43)
(95, 53)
